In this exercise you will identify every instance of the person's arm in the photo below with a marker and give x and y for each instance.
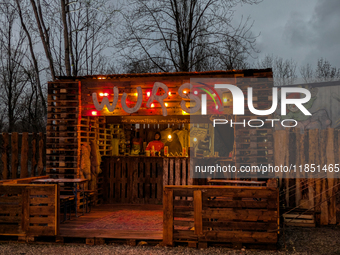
(148, 147)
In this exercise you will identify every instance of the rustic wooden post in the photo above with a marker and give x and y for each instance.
(168, 217)
(324, 206)
(14, 153)
(184, 174)
(286, 163)
(4, 155)
(330, 176)
(34, 154)
(198, 221)
(165, 171)
(298, 194)
(24, 155)
(40, 167)
(177, 174)
(323, 161)
(313, 143)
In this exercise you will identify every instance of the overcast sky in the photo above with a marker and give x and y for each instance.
(304, 30)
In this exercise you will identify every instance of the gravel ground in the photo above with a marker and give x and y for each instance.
(324, 240)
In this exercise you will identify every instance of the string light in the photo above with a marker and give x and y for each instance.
(94, 113)
(166, 104)
(148, 94)
(152, 105)
(169, 93)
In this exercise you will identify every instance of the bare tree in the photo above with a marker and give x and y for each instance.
(324, 71)
(284, 71)
(74, 34)
(12, 56)
(175, 31)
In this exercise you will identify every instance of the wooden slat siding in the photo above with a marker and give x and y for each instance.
(159, 180)
(34, 154)
(123, 181)
(4, 155)
(198, 217)
(112, 180)
(184, 174)
(313, 154)
(24, 156)
(11, 223)
(286, 163)
(168, 217)
(40, 167)
(14, 155)
(177, 174)
(330, 176)
(323, 181)
(239, 236)
(165, 172)
(242, 224)
(171, 172)
(48, 213)
(297, 162)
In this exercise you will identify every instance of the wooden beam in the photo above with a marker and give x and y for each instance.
(168, 217)
(14, 156)
(198, 212)
(24, 156)
(4, 155)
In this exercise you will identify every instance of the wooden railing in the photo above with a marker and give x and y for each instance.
(141, 179)
(29, 209)
(22, 155)
(228, 214)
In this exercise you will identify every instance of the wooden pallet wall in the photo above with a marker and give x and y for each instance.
(29, 210)
(220, 214)
(318, 194)
(22, 155)
(140, 180)
(63, 126)
(254, 146)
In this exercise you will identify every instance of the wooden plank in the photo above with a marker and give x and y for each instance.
(240, 214)
(198, 212)
(270, 204)
(330, 152)
(159, 180)
(177, 174)
(171, 172)
(14, 155)
(165, 171)
(313, 143)
(241, 192)
(24, 155)
(244, 226)
(41, 210)
(4, 155)
(34, 154)
(168, 218)
(240, 236)
(298, 193)
(40, 167)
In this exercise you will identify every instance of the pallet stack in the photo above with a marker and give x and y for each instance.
(62, 154)
(254, 145)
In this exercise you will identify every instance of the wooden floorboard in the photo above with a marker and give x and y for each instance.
(71, 227)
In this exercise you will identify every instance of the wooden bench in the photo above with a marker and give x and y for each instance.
(67, 201)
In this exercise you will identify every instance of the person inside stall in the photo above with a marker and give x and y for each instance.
(174, 145)
(157, 144)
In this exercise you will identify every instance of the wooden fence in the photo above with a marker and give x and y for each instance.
(220, 214)
(318, 194)
(141, 179)
(22, 155)
(29, 209)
